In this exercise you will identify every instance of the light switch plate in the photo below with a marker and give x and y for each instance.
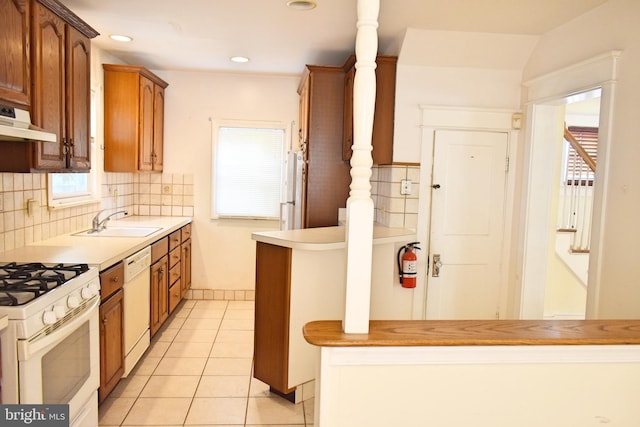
(405, 186)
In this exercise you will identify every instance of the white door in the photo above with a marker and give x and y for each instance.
(467, 224)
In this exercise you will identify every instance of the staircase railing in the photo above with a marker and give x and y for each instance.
(576, 195)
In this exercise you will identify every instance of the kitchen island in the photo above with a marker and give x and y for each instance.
(498, 373)
(301, 276)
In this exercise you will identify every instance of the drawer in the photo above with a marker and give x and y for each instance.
(174, 240)
(174, 256)
(174, 274)
(186, 232)
(159, 249)
(111, 280)
(175, 296)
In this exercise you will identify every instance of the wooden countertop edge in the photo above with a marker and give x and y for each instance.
(420, 333)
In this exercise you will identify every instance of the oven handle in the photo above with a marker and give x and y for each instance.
(29, 348)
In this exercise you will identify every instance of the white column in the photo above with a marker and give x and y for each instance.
(360, 210)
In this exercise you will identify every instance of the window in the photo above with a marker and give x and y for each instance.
(71, 189)
(577, 172)
(247, 171)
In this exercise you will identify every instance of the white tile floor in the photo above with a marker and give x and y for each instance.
(197, 372)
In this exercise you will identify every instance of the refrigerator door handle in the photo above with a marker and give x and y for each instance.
(283, 211)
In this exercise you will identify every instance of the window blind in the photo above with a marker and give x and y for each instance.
(248, 172)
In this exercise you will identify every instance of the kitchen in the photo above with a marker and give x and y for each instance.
(189, 106)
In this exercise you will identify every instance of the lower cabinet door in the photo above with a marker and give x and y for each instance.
(175, 295)
(159, 294)
(111, 343)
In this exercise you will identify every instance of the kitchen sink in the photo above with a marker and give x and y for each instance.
(119, 231)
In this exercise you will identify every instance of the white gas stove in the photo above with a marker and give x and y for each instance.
(50, 348)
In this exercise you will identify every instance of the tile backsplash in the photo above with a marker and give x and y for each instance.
(155, 194)
(147, 194)
(159, 194)
(392, 208)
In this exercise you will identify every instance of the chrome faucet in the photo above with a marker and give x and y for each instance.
(98, 225)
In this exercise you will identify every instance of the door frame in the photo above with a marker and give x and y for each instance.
(463, 119)
(544, 96)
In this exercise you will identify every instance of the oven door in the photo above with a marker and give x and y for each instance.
(63, 366)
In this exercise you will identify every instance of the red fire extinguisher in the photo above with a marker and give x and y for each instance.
(408, 265)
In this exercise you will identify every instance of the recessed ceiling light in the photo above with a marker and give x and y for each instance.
(240, 59)
(301, 5)
(120, 38)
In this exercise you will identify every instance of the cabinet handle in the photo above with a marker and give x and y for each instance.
(115, 279)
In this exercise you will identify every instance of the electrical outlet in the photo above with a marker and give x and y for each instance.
(405, 186)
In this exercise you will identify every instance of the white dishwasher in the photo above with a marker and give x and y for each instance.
(137, 288)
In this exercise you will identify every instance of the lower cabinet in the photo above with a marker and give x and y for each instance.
(175, 287)
(170, 274)
(159, 294)
(185, 263)
(111, 329)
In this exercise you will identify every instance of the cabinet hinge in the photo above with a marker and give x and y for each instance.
(506, 165)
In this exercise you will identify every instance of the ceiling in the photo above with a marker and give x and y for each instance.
(204, 34)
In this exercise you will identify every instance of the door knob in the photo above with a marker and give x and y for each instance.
(435, 270)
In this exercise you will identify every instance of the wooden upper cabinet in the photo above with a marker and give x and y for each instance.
(326, 176)
(49, 86)
(133, 119)
(47, 71)
(383, 120)
(303, 109)
(15, 68)
(78, 97)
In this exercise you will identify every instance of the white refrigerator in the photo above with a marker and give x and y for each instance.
(292, 207)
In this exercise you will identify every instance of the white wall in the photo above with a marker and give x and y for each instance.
(480, 386)
(612, 26)
(449, 68)
(223, 252)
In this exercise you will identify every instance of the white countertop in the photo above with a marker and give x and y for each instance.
(327, 238)
(96, 251)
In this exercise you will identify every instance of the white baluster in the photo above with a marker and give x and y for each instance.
(360, 209)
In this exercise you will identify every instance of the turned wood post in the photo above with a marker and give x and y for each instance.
(360, 209)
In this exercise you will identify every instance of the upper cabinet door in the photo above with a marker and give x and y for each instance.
(146, 124)
(158, 128)
(78, 97)
(15, 68)
(49, 86)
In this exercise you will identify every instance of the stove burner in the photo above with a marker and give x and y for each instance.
(23, 282)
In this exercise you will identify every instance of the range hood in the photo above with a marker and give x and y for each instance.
(15, 125)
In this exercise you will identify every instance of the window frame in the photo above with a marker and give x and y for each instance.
(248, 124)
(84, 198)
